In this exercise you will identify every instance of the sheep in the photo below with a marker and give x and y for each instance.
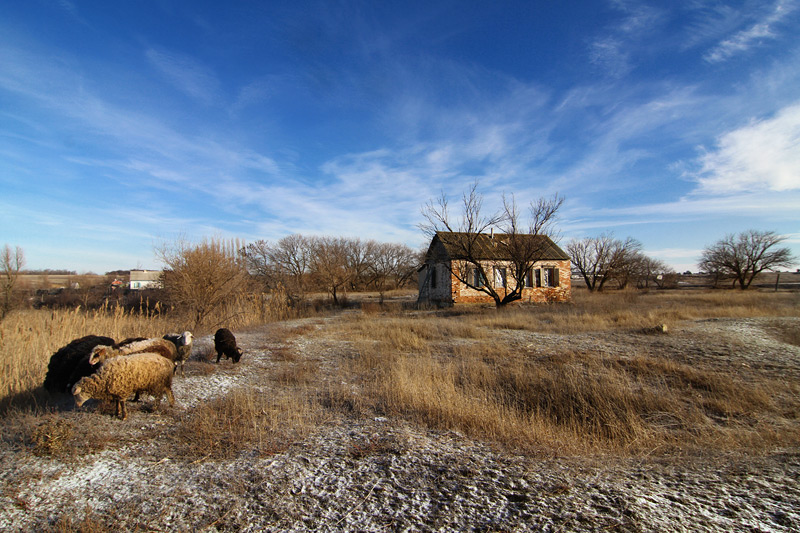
(70, 363)
(184, 344)
(225, 343)
(160, 346)
(124, 375)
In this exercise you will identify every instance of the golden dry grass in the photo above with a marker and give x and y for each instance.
(453, 370)
(246, 419)
(577, 402)
(28, 338)
(637, 309)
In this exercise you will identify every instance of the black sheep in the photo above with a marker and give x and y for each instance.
(225, 343)
(71, 362)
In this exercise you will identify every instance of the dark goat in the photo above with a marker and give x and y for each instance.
(225, 344)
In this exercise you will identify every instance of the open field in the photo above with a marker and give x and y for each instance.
(563, 417)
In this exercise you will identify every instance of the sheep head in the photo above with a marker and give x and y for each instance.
(79, 394)
(99, 354)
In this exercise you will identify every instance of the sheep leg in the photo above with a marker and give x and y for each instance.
(170, 397)
(219, 354)
(124, 409)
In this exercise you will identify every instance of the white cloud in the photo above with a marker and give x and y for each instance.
(753, 35)
(763, 155)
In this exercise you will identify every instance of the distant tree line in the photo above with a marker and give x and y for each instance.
(739, 258)
(300, 264)
(200, 277)
(605, 259)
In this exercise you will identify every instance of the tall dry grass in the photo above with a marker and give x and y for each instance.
(578, 402)
(457, 370)
(29, 337)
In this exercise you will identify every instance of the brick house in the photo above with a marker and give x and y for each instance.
(547, 280)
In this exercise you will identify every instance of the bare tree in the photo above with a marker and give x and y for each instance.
(329, 264)
(520, 238)
(284, 264)
(360, 255)
(604, 258)
(391, 261)
(200, 277)
(744, 256)
(654, 270)
(11, 262)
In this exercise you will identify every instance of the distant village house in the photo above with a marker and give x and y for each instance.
(144, 279)
(547, 280)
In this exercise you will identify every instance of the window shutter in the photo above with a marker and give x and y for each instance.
(555, 277)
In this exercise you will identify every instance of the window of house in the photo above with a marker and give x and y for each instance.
(529, 279)
(476, 278)
(499, 277)
(549, 277)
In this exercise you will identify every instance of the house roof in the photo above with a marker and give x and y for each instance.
(495, 246)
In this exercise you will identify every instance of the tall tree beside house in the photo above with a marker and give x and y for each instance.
(744, 256)
(496, 263)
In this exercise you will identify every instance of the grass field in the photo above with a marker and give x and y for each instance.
(459, 369)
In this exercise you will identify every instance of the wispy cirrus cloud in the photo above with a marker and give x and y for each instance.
(764, 28)
(612, 49)
(186, 74)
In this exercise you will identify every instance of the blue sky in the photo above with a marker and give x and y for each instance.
(127, 124)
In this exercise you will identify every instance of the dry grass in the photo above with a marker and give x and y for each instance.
(575, 402)
(245, 420)
(452, 370)
(635, 309)
(28, 339)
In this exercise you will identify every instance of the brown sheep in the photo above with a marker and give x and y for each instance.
(120, 377)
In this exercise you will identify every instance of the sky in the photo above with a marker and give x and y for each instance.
(126, 125)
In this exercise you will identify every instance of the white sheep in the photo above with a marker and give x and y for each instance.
(183, 342)
(120, 377)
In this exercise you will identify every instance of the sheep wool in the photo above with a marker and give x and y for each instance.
(120, 377)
